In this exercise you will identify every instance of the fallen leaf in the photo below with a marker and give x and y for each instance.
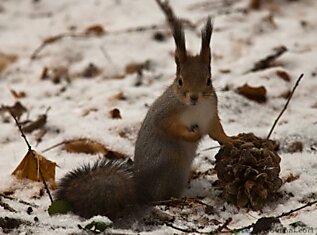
(119, 96)
(284, 75)
(84, 146)
(91, 147)
(91, 71)
(18, 94)
(87, 111)
(95, 30)
(37, 124)
(16, 110)
(291, 178)
(6, 60)
(257, 94)
(295, 147)
(134, 67)
(269, 60)
(55, 74)
(30, 165)
(286, 94)
(115, 114)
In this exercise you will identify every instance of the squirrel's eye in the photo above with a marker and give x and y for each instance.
(180, 82)
(208, 82)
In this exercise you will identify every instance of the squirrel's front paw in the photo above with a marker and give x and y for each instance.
(194, 133)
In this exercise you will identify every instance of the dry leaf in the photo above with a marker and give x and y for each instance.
(115, 114)
(91, 71)
(253, 93)
(87, 111)
(95, 30)
(284, 75)
(16, 110)
(286, 94)
(6, 60)
(37, 124)
(30, 165)
(84, 146)
(295, 147)
(119, 96)
(90, 147)
(56, 74)
(18, 94)
(291, 178)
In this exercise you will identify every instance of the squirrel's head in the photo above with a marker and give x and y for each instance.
(193, 76)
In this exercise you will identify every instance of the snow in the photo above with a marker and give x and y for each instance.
(239, 40)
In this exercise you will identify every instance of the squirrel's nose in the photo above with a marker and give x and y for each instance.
(193, 98)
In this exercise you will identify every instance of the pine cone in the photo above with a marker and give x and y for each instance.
(248, 171)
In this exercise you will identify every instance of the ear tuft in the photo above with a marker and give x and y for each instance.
(206, 33)
(179, 38)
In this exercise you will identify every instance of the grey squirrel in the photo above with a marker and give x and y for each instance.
(165, 146)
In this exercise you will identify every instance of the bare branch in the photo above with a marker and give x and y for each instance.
(285, 106)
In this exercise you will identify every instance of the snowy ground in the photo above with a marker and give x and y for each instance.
(241, 38)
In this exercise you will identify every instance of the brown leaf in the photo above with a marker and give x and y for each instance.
(115, 114)
(119, 96)
(257, 94)
(6, 60)
(95, 30)
(91, 71)
(84, 146)
(18, 94)
(16, 110)
(291, 178)
(29, 168)
(284, 75)
(134, 67)
(91, 147)
(295, 147)
(55, 74)
(52, 39)
(37, 124)
(87, 111)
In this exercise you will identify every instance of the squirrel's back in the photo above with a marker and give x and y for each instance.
(104, 188)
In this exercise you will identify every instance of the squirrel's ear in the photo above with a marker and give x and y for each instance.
(206, 33)
(179, 38)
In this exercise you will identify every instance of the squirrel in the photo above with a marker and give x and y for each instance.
(165, 147)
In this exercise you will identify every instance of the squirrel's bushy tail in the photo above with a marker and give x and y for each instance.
(105, 188)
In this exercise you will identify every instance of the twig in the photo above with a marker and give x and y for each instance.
(21, 131)
(56, 38)
(285, 106)
(297, 209)
(185, 230)
(221, 227)
(18, 200)
(210, 148)
(30, 150)
(55, 145)
(279, 216)
(105, 54)
(6, 206)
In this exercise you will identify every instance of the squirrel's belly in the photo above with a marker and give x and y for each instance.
(200, 114)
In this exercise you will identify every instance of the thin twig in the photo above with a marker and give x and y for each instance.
(21, 131)
(106, 54)
(279, 216)
(184, 230)
(30, 150)
(285, 106)
(221, 227)
(210, 148)
(18, 200)
(55, 145)
(297, 209)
